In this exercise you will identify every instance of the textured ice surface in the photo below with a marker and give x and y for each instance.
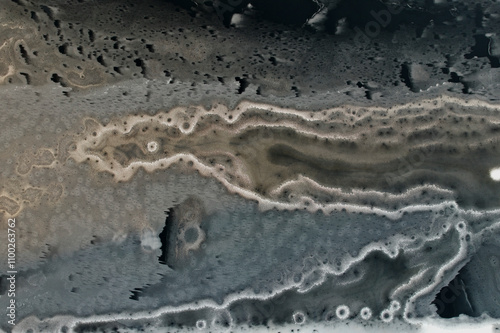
(250, 165)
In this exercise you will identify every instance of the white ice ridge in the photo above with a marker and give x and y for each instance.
(392, 251)
(460, 256)
(179, 119)
(304, 182)
(232, 116)
(264, 203)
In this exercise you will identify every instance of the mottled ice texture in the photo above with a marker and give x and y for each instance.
(216, 167)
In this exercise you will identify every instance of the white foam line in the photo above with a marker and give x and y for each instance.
(435, 103)
(245, 295)
(302, 290)
(266, 204)
(232, 116)
(248, 294)
(409, 284)
(135, 120)
(461, 255)
(380, 246)
(204, 304)
(495, 226)
(301, 179)
(124, 174)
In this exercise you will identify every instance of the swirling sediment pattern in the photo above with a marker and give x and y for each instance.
(188, 166)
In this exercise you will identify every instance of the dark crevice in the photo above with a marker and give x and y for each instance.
(371, 18)
(290, 12)
(136, 293)
(455, 78)
(243, 84)
(452, 300)
(405, 75)
(55, 78)
(100, 60)
(63, 49)
(140, 63)
(58, 79)
(27, 77)
(24, 54)
(91, 36)
(165, 237)
(34, 17)
(482, 49)
(48, 11)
